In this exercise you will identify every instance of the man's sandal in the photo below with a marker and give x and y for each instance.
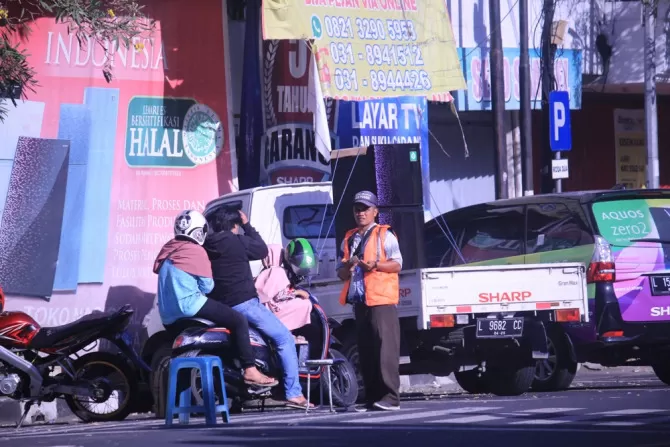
(273, 382)
(299, 406)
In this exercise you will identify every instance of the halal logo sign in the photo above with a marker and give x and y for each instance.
(172, 132)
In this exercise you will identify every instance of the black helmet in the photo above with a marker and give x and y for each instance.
(299, 259)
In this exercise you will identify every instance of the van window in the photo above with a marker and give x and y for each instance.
(552, 226)
(438, 247)
(621, 222)
(498, 234)
(237, 204)
(211, 212)
(308, 221)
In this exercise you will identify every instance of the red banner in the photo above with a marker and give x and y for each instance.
(288, 151)
(154, 141)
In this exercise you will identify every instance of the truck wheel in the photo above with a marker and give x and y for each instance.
(662, 370)
(557, 372)
(512, 377)
(471, 382)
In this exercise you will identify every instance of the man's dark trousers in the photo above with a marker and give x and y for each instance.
(378, 331)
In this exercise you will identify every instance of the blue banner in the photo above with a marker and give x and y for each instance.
(251, 113)
(475, 64)
(387, 121)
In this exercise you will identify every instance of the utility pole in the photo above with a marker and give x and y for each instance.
(548, 82)
(525, 111)
(650, 114)
(498, 99)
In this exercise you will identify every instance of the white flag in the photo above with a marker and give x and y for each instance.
(320, 117)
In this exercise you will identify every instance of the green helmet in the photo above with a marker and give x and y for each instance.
(299, 257)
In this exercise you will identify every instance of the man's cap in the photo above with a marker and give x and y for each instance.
(365, 198)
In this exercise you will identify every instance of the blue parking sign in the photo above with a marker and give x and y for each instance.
(560, 132)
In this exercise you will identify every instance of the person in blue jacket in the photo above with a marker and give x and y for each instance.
(185, 278)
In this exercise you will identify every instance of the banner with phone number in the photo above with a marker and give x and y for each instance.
(373, 48)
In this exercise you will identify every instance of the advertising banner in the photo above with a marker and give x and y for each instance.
(100, 170)
(278, 141)
(629, 145)
(387, 121)
(476, 66)
(373, 48)
(288, 145)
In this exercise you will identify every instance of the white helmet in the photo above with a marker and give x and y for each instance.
(192, 225)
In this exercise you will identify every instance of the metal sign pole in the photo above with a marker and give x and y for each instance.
(558, 182)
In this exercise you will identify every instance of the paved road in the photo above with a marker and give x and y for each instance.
(633, 417)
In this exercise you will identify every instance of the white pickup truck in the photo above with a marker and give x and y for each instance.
(491, 318)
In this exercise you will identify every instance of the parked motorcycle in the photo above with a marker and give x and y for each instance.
(195, 336)
(30, 354)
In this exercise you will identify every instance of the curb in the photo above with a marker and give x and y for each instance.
(49, 412)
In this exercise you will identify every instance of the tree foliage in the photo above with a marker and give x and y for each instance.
(108, 23)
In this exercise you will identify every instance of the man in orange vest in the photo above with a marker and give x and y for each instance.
(369, 265)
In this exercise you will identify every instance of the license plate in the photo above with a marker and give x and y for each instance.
(499, 328)
(660, 285)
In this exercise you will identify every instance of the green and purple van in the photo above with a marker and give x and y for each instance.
(621, 236)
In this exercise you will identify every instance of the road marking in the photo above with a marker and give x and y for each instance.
(424, 415)
(657, 420)
(468, 419)
(268, 417)
(619, 423)
(630, 411)
(409, 417)
(404, 428)
(301, 417)
(539, 422)
(549, 410)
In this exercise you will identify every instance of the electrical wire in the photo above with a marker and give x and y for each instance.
(445, 230)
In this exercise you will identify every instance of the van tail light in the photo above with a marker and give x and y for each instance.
(566, 315)
(601, 268)
(441, 321)
(600, 272)
(611, 334)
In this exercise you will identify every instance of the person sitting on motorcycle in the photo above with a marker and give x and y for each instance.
(278, 292)
(230, 253)
(184, 279)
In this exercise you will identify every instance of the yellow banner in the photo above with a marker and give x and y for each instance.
(629, 145)
(373, 48)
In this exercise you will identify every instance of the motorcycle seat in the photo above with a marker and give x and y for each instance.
(47, 337)
(196, 322)
(185, 323)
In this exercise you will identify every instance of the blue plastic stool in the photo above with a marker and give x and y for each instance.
(206, 365)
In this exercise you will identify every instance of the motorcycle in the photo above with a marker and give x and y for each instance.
(29, 354)
(195, 336)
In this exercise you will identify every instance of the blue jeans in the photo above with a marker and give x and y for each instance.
(265, 321)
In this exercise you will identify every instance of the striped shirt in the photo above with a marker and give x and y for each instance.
(357, 285)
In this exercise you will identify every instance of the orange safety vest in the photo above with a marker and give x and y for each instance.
(380, 288)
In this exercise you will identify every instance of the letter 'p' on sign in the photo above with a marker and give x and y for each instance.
(560, 133)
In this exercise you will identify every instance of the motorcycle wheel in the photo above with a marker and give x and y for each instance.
(343, 381)
(125, 391)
